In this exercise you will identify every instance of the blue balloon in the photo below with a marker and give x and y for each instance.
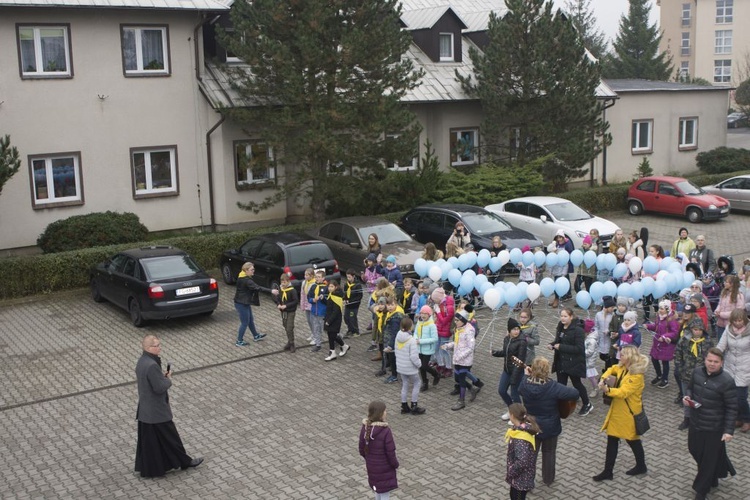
(462, 291)
(636, 290)
(548, 286)
(589, 258)
(675, 284)
(623, 290)
(552, 259)
(483, 259)
(660, 288)
(512, 297)
(472, 258)
(485, 286)
(610, 261)
(610, 288)
(601, 260)
(440, 262)
(650, 265)
(515, 256)
(539, 258)
(463, 262)
(562, 257)
(675, 267)
(687, 279)
(522, 286)
(583, 299)
(445, 268)
(453, 261)
(467, 279)
(620, 270)
(665, 263)
(597, 291)
(527, 258)
(648, 284)
(480, 280)
(507, 285)
(562, 286)
(495, 264)
(421, 267)
(576, 257)
(454, 277)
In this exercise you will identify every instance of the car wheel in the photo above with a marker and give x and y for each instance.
(694, 215)
(635, 207)
(95, 291)
(135, 313)
(227, 274)
(275, 286)
(208, 313)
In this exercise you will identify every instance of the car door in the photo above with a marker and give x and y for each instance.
(545, 230)
(668, 199)
(248, 252)
(743, 195)
(733, 191)
(352, 248)
(122, 282)
(645, 192)
(269, 264)
(517, 213)
(107, 279)
(330, 234)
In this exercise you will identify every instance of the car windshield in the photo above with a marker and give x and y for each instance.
(568, 212)
(484, 223)
(688, 188)
(387, 233)
(168, 267)
(309, 253)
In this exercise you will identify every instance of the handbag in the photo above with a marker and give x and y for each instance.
(641, 421)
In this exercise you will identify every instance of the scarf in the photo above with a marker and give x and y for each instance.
(243, 274)
(284, 291)
(349, 287)
(338, 300)
(405, 300)
(694, 345)
(521, 434)
(400, 345)
(458, 333)
(421, 325)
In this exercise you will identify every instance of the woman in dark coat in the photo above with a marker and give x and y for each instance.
(513, 346)
(246, 296)
(570, 355)
(376, 445)
(540, 396)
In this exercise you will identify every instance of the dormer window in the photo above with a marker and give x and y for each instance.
(446, 47)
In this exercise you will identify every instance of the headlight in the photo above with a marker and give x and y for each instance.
(712, 207)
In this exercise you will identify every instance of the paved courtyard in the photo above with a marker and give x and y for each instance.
(274, 425)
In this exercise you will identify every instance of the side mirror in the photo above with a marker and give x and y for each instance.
(355, 244)
(234, 251)
(543, 218)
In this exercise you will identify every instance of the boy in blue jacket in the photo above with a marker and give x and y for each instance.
(317, 296)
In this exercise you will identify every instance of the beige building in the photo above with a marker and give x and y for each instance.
(708, 38)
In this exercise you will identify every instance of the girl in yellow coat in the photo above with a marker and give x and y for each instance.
(619, 424)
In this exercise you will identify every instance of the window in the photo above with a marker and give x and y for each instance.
(688, 133)
(686, 14)
(722, 70)
(724, 11)
(648, 186)
(464, 145)
(446, 47)
(407, 163)
(231, 56)
(668, 189)
(145, 50)
(154, 171)
(56, 180)
(44, 51)
(641, 136)
(723, 43)
(684, 69)
(253, 163)
(685, 44)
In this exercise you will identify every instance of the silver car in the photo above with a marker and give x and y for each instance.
(736, 190)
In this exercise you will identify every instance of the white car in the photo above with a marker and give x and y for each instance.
(543, 216)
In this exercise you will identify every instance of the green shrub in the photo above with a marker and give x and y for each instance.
(710, 179)
(723, 160)
(600, 199)
(92, 230)
(488, 184)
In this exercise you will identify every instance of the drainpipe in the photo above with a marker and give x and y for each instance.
(608, 104)
(209, 162)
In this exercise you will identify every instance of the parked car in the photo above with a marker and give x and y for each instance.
(676, 196)
(543, 216)
(435, 223)
(154, 283)
(347, 238)
(277, 253)
(736, 120)
(736, 190)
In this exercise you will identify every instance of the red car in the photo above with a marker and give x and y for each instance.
(675, 196)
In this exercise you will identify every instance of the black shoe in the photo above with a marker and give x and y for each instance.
(656, 380)
(604, 476)
(436, 379)
(638, 469)
(586, 410)
(424, 387)
(405, 408)
(380, 373)
(456, 391)
(662, 384)
(193, 463)
(700, 496)
(315, 349)
(416, 409)
(678, 399)
(684, 425)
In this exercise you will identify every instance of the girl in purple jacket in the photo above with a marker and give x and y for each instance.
(521, 452)
(666, 333)
(377, 447)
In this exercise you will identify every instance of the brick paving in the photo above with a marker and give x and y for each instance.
(285, 426)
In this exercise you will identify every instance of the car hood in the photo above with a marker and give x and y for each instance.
(406, 252)
(602, 225)
(513, 238)
(710, 198)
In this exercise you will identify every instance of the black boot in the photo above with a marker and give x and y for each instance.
(684, 425)
(613, 444)
(425, 386)
(405, 408)
(455, 390)
(640, 458)
(416, 409)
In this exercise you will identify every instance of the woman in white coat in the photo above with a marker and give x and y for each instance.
(735, 344)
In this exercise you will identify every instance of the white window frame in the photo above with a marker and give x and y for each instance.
(146, 188)
(723, 42)
(451, 56)
(250, 176)
(684, 69)
(38, 57)
(395, 166)
(722, 70)
(232, 59)
(458, 133)
(686, 11)
(52, 200)
(724, 11)
(141, 69)
(685, 44)
(635, 146)
(686, 142)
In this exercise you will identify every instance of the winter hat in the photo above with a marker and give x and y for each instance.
(623, 301)
(630, 316)
(685, 293)
(427, 282)
(560, 232)
(432, 288)
(695, 268)
(709, 276)
(698, 297)
(608, 301)
(437, 295)
(462, 316)
(512, 323)
(469, 308)
(372, 257)
(689, 308)
(526, 248)
(697, 323)
(698, 283)
(391, 259)
(666, 304)
(587, 239)
(681, 230)
(426, 310)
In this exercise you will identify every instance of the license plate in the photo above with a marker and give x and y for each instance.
(187, 291)
(724, 210)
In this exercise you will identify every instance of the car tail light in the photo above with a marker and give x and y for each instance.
(335, 267)
(288, 272)
(155, 292)
(213, 285)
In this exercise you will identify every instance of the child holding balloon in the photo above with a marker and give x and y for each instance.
(585, 274)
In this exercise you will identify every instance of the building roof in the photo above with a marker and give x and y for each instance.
(420, 19)
(473, 13)
(439, 81)
(636, 85)
(212, 5)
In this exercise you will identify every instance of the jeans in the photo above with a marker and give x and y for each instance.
(743, 409)
(661, 371)
(406, 381)
(317, 328)
(246, 320)
(442, 356)
(383, 496)
(502, 389)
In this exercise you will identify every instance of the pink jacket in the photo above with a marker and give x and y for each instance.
(444, 315)
(725, 307)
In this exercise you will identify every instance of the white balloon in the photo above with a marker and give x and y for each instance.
(492, 298)
(435, 273)
(504, 257)
(533, 291)
(635, 264)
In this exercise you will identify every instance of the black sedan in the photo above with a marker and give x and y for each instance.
(435, 223)
(154, 283)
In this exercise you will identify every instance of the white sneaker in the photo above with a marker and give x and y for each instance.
(312, 342)
(506, 416)
(309, 338)
(344, 349)
(510, 423)
(331, 355)
(593, 393)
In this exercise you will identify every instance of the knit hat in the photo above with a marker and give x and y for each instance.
(623, 301)
(462, 316)
(689, 308)
(681, 230)
(666, 304)
(630, 316)
(685, 293)
(526, 248)
(438, 294)
(372, 257)
(560, 232)
(426, 310)
(469, 308)
(587, 239)
(698, 283)
(697, 323)
(608, 301)
(512, 323)
(709, 276)
(698, 297)
(391, 259)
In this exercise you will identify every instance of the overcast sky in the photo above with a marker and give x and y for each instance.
(608, 12)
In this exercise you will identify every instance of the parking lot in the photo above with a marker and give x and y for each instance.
(275, 425)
